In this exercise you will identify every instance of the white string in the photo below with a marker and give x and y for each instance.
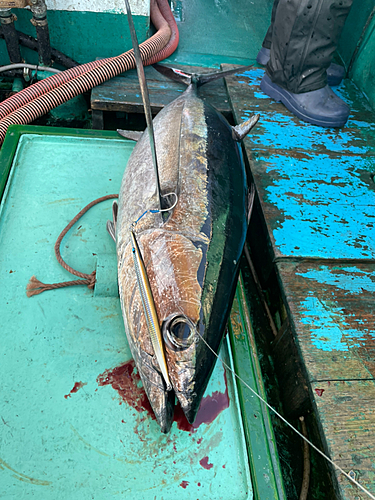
(290, 425)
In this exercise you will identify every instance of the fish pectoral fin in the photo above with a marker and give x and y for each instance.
(114, 214)
(111, 226)
(240, 131)
(111, 230)
(133, 135)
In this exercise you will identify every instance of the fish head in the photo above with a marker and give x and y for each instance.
(189, 360)
(192, 315)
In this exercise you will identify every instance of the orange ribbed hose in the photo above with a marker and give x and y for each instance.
(25, 107)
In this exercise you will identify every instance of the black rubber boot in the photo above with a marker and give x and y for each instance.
(320, 107)
(305, 34)
(335, 72)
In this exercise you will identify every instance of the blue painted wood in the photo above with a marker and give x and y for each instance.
(314, 183)
(317, 195)
(332, 311)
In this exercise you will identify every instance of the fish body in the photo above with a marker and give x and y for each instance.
(191, 256)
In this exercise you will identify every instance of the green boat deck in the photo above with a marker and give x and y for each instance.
(75, 420)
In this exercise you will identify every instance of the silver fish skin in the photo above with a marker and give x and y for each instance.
(192, 257)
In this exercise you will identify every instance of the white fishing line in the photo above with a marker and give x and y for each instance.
(370, 495)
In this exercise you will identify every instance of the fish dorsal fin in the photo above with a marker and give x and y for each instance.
(114, 213)
(199, 79)
(111, 230)
(240, 131)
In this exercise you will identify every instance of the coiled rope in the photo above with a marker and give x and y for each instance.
(35, 287)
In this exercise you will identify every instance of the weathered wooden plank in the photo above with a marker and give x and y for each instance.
(316, 194)
(313, 183)
(316, 205)
(347, 413)
(123, 92)
(332, 311)
(279, 129)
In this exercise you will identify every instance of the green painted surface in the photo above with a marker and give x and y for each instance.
(353, 27)
(214, 32)
(264, 461)
(83, 36)
(363, 73)
(60, 443)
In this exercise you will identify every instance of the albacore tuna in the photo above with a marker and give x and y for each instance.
(190, 253)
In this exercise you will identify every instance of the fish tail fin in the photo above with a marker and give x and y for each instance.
(188, 78)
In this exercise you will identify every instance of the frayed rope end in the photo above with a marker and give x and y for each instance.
(34, 287)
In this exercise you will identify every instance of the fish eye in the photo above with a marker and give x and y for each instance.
(178, 332)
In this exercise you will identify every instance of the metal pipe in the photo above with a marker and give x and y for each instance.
(39, 20)
(10, 35)
(10, 67)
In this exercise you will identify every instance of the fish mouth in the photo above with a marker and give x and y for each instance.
(162, 401)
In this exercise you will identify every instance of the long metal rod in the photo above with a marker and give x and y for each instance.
(145, 97)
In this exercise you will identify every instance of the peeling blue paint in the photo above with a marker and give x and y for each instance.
(285, 131)
(324, 322)
(350, 279)
(320, 206)
(253, 76)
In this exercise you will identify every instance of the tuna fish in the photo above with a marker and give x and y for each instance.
(191, 253)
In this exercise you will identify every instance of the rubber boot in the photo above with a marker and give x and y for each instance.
(320, 107)
(304, 37)
(335, 72)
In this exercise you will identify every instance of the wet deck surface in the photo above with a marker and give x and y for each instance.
(317, 195)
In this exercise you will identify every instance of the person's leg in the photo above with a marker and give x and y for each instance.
(264, 54)
(305, 35)
(335, 72)
(268, 38)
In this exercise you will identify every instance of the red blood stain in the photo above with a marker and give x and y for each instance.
(184, 484)
(199, 440)
(77, 386)
(204, 463)
(319, 392)
(199, 484)
(125, 380)
(209, 409)
(224, 466)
